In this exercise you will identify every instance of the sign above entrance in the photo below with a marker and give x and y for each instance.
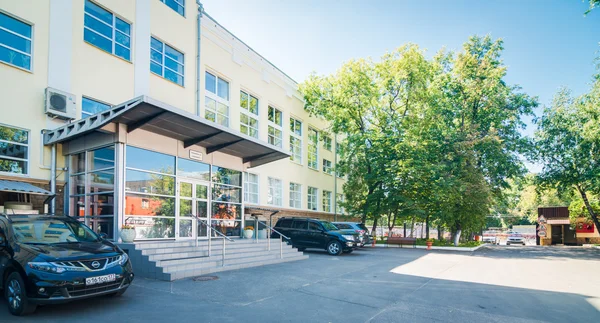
(196, 155)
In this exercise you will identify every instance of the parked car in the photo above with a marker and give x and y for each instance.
(490, 239)
(313, 233)
(48, 259)
(360, 228)
(515, 238)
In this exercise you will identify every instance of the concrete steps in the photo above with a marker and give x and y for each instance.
(171, 260)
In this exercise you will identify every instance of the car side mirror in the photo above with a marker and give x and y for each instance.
(103, 236)
(2, 242)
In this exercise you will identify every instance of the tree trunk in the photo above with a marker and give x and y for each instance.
(412, 227)
(374, 232)
(458, 231)
(589, 207)
(427, 227)
(439, 232)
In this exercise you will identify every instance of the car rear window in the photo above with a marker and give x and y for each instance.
(284, 223)
(300, 224)
(343, 226)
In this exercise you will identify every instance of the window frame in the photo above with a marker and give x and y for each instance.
(215, 97)
(327, 143)
(28, 146)
(87, 114)
(30, 39)
(312, 199)
(247, 191)
(182, 5)
(164, 57)
(280, 189)
(328, 199)
(250, 115)
(114, 29)
(315, 144)
(275, 126)
(327, 169)
(295, 136)
(297, 190)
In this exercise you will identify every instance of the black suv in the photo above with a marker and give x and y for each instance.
(54, 259)
(312, 233)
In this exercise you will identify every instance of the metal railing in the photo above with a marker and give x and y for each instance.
(281, 236)
(210, 231)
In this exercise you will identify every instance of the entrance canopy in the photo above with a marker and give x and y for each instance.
(160, 118)
(21, 187)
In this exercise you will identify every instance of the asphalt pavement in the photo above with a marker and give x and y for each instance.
(494, 284)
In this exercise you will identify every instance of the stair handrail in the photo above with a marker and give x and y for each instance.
(270, 227)
(210, 228)
(281, 236)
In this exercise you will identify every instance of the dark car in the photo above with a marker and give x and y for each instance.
(312, 233)
(360, 228)
(54, 259)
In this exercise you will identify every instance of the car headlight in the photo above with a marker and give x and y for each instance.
(348, 237)
(47, 267)
(123, 259)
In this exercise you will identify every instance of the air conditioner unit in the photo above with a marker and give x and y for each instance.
(60, 104)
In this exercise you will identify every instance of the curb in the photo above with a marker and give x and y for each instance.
(464, 249)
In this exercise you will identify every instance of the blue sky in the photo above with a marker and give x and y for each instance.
(548, 43)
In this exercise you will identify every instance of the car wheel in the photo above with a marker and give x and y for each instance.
(16, 296)
(348, 251)
(334, 248)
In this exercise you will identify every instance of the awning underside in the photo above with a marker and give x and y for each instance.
(21, 187)
(160, 118)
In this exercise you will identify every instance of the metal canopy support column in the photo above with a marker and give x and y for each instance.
(119, 194)
(53, 179)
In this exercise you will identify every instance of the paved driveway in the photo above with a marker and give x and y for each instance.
(496, 284)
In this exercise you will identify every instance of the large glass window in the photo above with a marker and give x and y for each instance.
(248, 114)
(312, 198)
(216, 103)
(193, 169)
(313, 149)
(274, 194)
(14, 150)
(251, 188)
(106, 31)
(326, 201)
(91, 188)
(296, 140)
(166, 61)
(150, 193)
(275, 127)
(15, 42)
(177, 5)
(295, 195)
(227, 200)
(90, 107)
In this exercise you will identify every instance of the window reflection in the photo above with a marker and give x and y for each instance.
(226, 193)
(152, 228)
(102, 158)
(226, 176)
(150, 160)
(190, 168)
(151, 183)
(226, 211)
(156, 205)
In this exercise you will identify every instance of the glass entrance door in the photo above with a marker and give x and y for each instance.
(192, 199)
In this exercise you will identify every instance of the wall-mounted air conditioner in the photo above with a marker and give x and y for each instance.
(60, 104)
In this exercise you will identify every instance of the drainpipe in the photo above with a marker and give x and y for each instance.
(53, 179)
(198, 41)
(335, 162)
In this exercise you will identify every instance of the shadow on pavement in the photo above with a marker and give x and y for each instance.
(536, 252)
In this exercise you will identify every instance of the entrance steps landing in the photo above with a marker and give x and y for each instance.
(172, 260)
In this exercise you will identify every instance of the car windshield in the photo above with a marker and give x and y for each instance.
(52, 231)
(328, 226)
(363, 226)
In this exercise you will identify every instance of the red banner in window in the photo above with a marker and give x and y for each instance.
(584, 227)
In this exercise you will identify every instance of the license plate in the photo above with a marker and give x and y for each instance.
(100, 279)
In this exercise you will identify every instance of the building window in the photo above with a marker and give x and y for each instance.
(275, 127)
(339, 209)
(15, 42)
(326, 201)
(251, 188)
(177, 5)
(338, 148)
(14, 150)
(327, 143)
(145, 204)
(90, 107)
(313, 149)
(249, 114)
(274, 195)
(106, 31)
(295, 195)
(296, 140)
(312, 198)
(327, 169)
(167, 62)
(217, 99)
(227, 197)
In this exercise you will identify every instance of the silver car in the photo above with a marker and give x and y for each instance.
(359, 228)
(515, 238)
